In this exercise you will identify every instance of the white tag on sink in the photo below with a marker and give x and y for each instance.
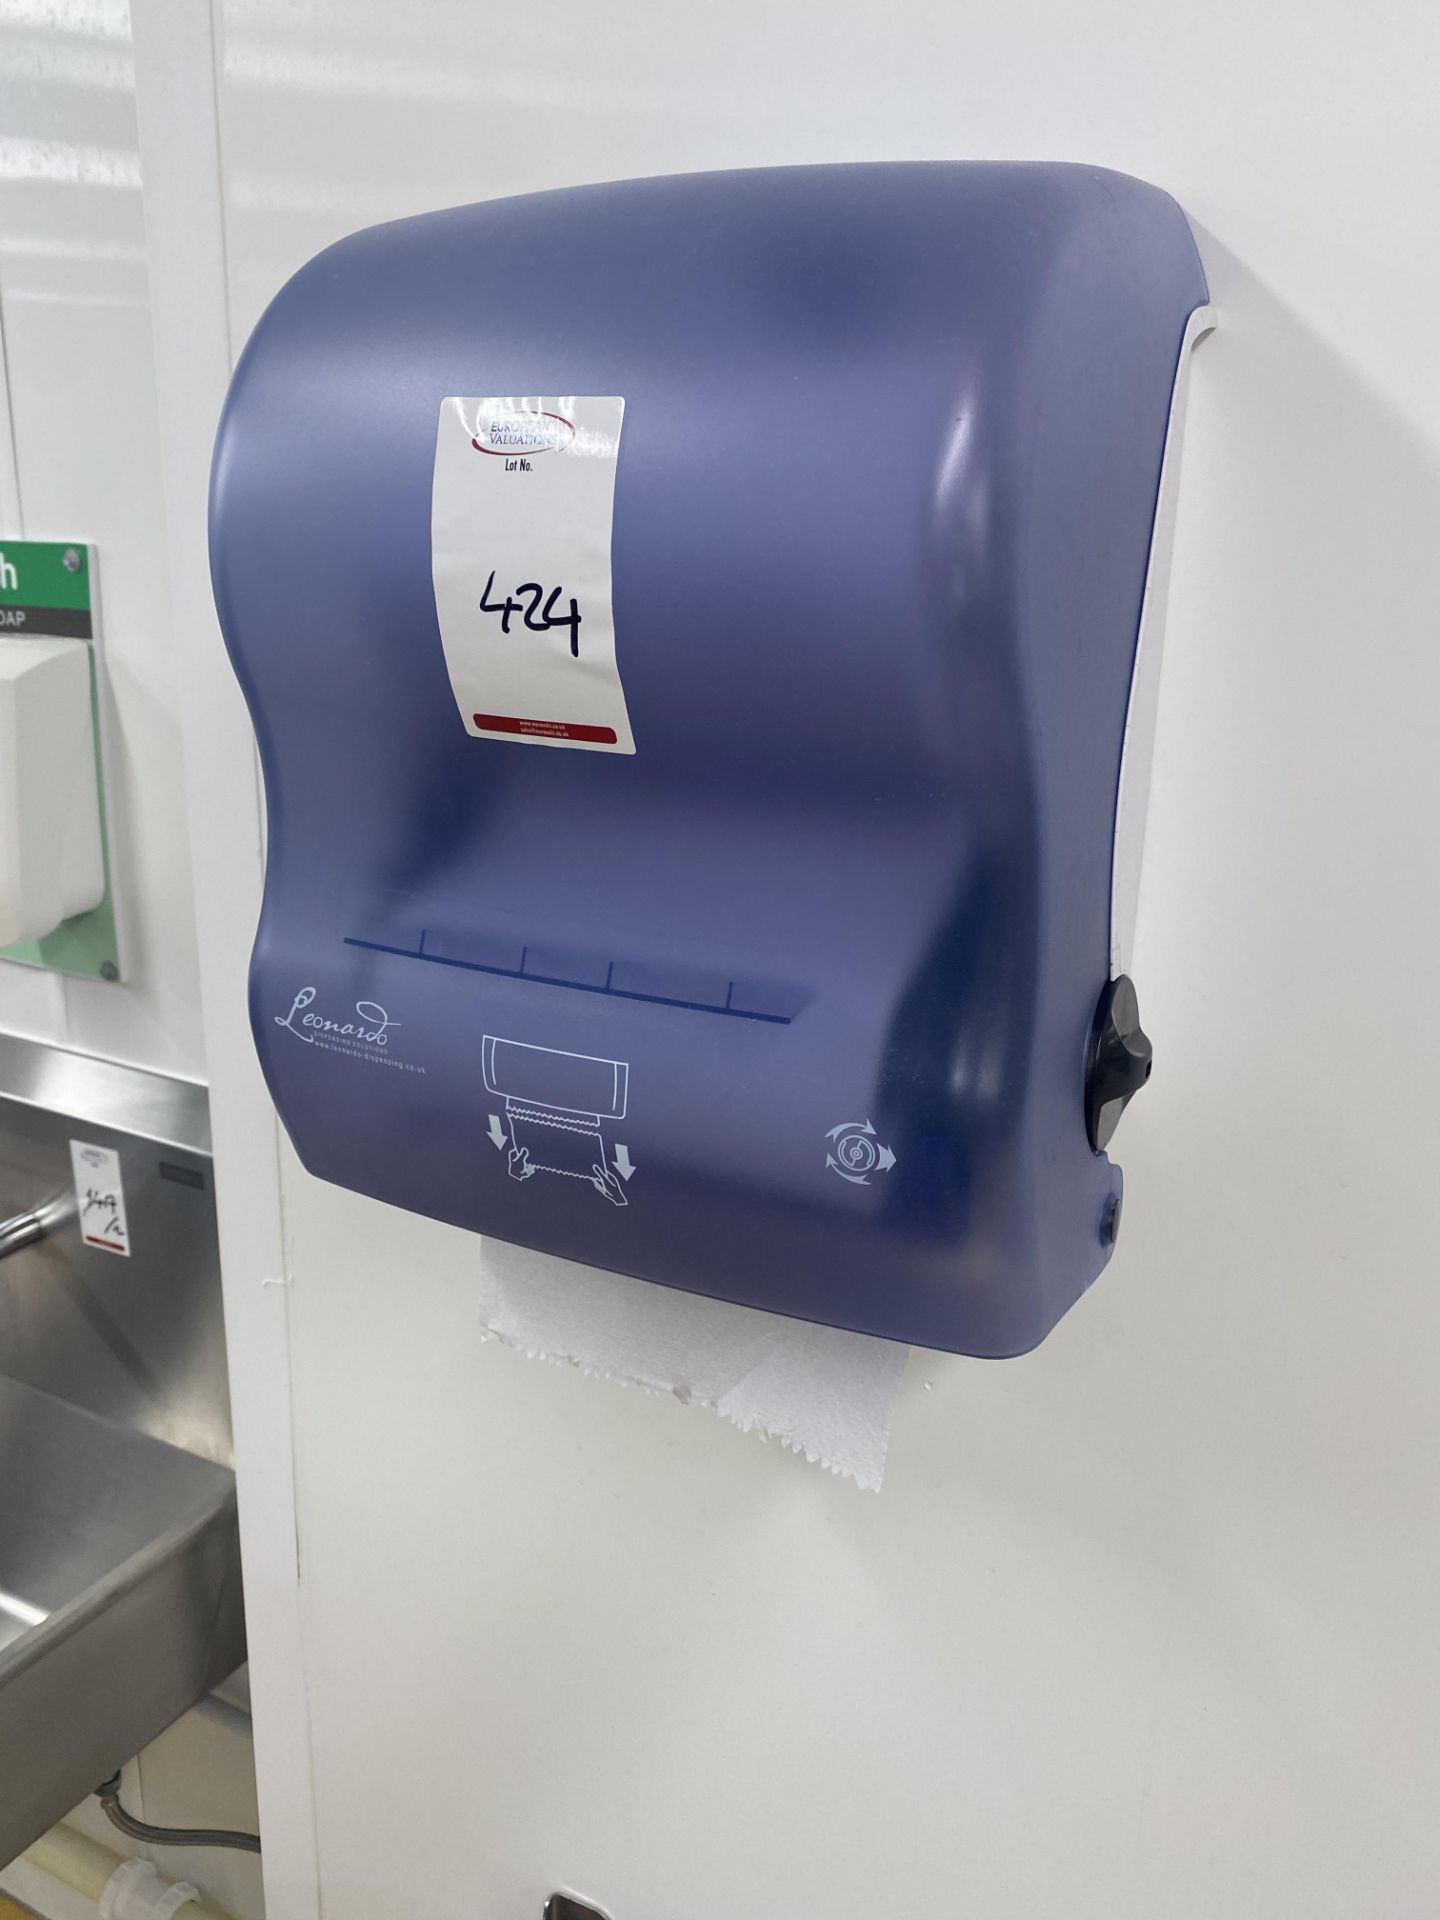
(100, 1197)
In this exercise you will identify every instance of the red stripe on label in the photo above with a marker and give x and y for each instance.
(110, 1246)
(545, 729)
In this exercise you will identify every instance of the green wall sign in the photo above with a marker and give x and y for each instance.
(45, 588)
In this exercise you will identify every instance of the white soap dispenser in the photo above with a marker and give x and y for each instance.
(52, 864)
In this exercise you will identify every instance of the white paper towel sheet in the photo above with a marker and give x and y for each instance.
(826, 1394)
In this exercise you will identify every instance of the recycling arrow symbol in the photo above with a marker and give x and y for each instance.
(856, 1152)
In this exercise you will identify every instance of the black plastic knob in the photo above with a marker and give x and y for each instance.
(1119, 1063)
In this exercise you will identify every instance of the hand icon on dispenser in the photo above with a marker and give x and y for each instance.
(608, 1183)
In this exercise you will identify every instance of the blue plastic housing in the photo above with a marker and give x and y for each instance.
(791, 1007)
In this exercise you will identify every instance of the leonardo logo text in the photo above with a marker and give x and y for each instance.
(365, 1037)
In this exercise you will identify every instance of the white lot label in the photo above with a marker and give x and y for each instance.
(100, 1197)
(520, 552)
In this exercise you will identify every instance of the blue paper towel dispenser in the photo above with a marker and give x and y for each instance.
(690, 626)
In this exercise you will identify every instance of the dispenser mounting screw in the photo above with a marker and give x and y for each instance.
(1118, 1062)
(70, 559)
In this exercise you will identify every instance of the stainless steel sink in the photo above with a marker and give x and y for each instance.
(120, 1599)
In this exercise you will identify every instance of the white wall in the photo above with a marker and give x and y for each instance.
(1144, 1624)
(79, 458)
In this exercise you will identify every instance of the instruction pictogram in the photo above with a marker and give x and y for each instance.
(557, 1106)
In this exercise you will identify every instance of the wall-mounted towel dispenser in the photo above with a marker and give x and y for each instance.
(690, 627)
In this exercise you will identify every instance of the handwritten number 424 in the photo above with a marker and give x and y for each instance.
(512, 603)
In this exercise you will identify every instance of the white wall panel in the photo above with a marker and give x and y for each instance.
(81, 406)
